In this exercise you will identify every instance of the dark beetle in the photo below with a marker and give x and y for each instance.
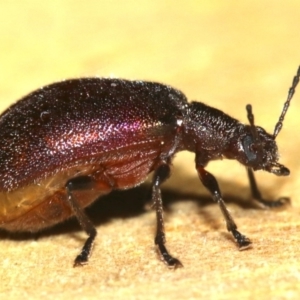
(67, 143)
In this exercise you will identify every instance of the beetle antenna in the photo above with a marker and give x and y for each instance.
(251, 121)
(291, 93)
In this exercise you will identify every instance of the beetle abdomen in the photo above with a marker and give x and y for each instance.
(42, 204)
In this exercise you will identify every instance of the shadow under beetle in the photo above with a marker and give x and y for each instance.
(67, 143)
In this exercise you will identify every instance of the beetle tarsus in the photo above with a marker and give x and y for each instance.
(80, 261)
(274, 203)
(83, 257)
(256, 194)
(169, 260)
(242, 240)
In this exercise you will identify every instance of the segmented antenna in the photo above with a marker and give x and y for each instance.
(291, 93)
(250, 117)
(257, 144)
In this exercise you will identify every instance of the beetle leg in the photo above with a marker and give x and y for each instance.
(160, 175)
(257, 195)
(211, 184)
(79, 183)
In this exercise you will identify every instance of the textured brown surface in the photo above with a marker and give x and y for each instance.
(228, 55)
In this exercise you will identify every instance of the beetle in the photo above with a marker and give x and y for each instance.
(68, 143)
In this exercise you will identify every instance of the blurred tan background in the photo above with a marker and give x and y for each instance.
(227, 54)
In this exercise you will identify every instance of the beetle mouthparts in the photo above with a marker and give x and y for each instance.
(279, 170)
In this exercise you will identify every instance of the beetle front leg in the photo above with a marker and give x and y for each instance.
(211, 184)
(257, 195)
(79, 183)
(160, 175)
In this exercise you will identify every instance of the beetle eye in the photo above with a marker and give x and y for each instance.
(249, 148)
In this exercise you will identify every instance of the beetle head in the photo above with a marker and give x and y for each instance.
(256, 148)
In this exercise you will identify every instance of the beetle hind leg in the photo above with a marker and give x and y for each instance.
(160, 175)
(258, 197)
(74, 184)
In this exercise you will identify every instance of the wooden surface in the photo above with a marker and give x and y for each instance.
(226, 54)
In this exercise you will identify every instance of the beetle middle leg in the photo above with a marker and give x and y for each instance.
(211, 184)
(257, 195)
(74, 184)
(160, 175)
